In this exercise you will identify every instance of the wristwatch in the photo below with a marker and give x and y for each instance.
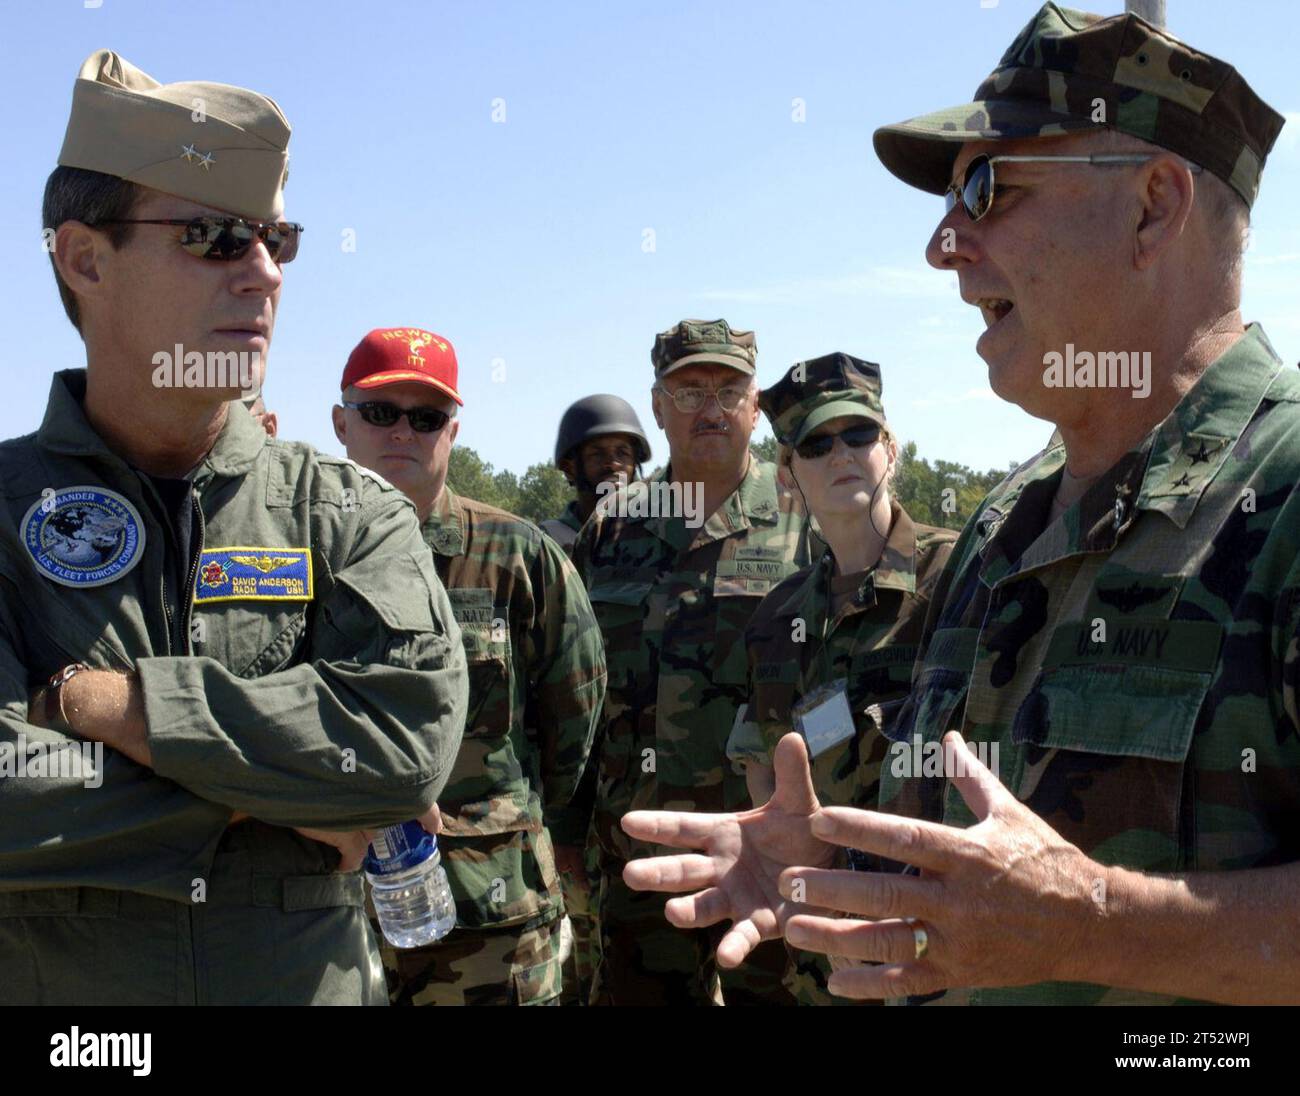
(54, 717)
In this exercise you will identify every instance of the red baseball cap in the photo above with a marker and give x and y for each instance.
(390, 355)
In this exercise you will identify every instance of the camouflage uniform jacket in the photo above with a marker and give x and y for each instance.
(564, 529)
(1135, 662)
(537, 684)
(340, 709)
(871, 643)
(673, 603)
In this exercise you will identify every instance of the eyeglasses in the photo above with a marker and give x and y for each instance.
(855, 437)
(690, 400)
(978, 184)
(423, 420)
(226, 239)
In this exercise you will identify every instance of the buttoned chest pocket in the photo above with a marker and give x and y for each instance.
(935, 703)
(620, 609)
(1107, 729)
(848, 773)
(738, 586)
(485, 635)
(879, 685)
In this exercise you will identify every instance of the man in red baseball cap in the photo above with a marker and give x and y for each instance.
(533, 646)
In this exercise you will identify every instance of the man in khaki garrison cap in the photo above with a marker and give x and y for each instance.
(249, 656)
(1112, 659)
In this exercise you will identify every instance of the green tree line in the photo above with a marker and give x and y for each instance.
(941, 493)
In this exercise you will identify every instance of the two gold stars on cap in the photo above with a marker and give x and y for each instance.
(206, 159)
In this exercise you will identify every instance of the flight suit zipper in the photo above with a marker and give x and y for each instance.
(187, 604)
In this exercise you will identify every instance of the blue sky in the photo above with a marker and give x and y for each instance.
(523, 241)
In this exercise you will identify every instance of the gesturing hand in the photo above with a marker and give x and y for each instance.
(741, 858)
(1002, 903)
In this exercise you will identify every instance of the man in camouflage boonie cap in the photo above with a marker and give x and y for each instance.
(699, 341)
(1099, 757)
(815, 391)
(1069, 71)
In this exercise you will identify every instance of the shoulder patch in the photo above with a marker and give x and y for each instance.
(83, 536)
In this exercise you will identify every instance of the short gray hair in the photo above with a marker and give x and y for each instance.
(1226, 213)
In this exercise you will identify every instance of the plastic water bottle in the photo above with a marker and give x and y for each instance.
(409, 886)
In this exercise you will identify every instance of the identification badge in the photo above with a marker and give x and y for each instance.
(823, 717)
(253, 574)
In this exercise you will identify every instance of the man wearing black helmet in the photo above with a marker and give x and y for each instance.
(600, 439)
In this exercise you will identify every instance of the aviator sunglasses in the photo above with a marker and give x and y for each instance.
(226, 239)
(855, 437)
(978, 185)
(423, 420)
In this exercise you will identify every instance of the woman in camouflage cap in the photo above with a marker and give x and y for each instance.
(831, 648)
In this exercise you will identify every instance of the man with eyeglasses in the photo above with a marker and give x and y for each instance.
(537, 683)
(675, 566)
(1121, 617)
(250, 657)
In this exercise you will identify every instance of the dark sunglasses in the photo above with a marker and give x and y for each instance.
(855, 437)
(423, 420)
(978, 185)
(226, 239)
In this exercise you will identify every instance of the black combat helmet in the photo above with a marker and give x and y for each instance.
(594, 417)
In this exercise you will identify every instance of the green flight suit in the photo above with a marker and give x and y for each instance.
(337, 705)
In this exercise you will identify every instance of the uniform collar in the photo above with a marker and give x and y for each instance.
(444, 528)
(897, 567)
(753, 502)
(65, 429)
(1167, 473)
(571, 517)
(895, 570)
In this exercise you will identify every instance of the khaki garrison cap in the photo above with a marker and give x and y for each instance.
(214, 144)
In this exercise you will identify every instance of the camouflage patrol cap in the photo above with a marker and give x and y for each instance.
(694, 341)
(1070, 71)
(214, 144)
(820, 389)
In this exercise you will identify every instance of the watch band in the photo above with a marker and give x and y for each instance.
(54, 716)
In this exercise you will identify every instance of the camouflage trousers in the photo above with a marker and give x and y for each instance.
(580, 966)
(517, 965)
(644, 960)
